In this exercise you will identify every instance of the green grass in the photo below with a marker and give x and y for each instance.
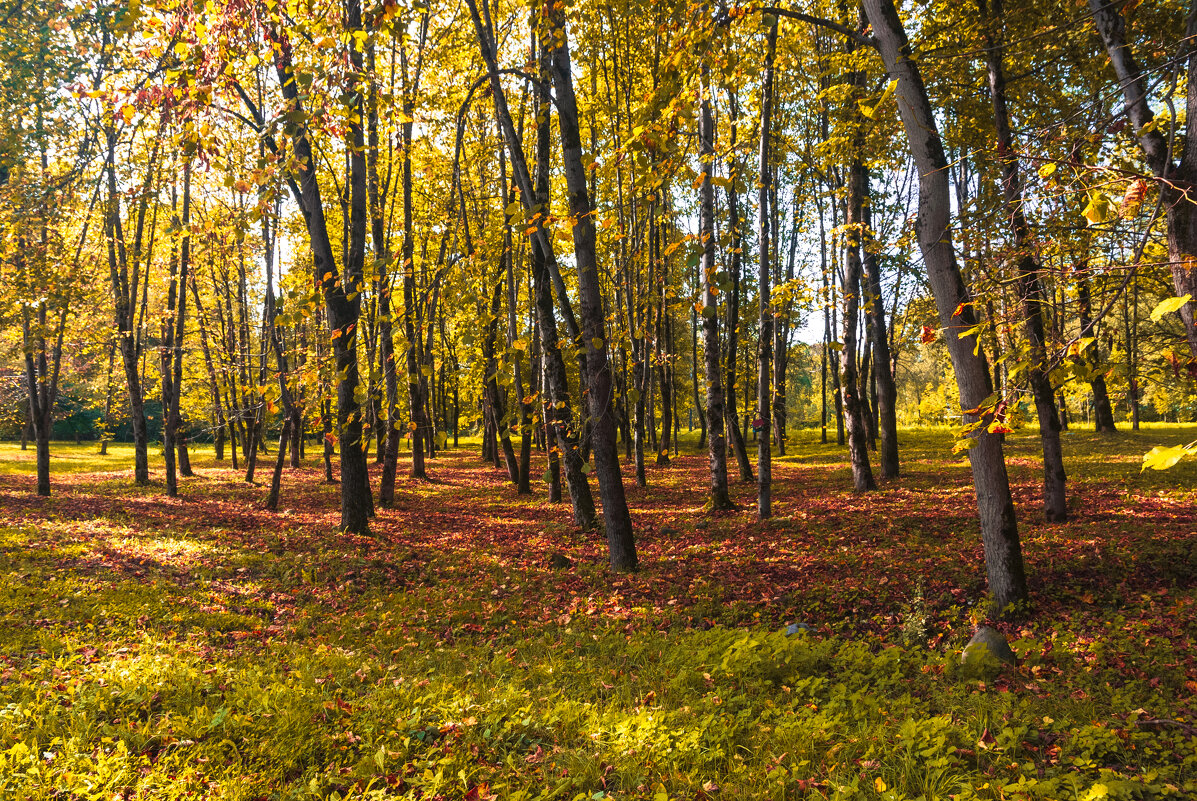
(135, 689)
(148, 659)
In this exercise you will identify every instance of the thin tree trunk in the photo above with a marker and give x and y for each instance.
(542, 254)
(854, 413)
(764, 397)
(172, 346)
(276, 477)
(664, 359)
(621, 545)
(1030, 285)
(716, 442)
(698, 405)
(887, 392)
(124, 288)
(342, 294)
(735, 222)
(497, 407)
(386, 337)
(781, 348)
(1103, 412)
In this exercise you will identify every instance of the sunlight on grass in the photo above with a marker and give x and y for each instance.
(207, 649)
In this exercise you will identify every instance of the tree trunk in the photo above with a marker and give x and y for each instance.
(1103, 412)
(716, 441)
(342, 294)
(620, 540)
(523, 468)
(735, 222)
(1030, 285)
(276, 476)
(764, 397)
(497, 410)
(386, 328)
(854, 413)
(999, 526)
(173, 328)
(781, 348)
(556, 381)
(124, 288)
(184, 455)
(415, 395)
(1176, 179)
(665, 363)
(698, 406)
(887, 391)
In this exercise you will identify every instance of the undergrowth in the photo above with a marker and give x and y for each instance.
(147, 657)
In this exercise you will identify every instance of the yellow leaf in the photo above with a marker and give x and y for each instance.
(1168, 306)
(1098, 209)
(1159, 458)
(1047, 169)
(879, 784)
(597, 343)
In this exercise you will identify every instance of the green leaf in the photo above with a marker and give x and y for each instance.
(1168, 306)
(597, 343)
(219, 717)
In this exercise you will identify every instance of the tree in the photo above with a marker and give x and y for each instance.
(1175, 176)
(999, 526)
(717, 446)
(764, 397)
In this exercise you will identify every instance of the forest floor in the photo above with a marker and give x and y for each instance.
(207, 648)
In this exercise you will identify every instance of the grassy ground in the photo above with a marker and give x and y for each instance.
(206, 648)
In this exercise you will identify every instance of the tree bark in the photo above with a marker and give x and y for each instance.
(999, 526)
(124, 288)
(887, 391)
(620, 540)
(1103, 412)
(172, 339)
(854, 413)
(1176, 178)
(542, 254)
(716, 441)
(731, 357)
(781, 348)
(764, 397)
(342, 294)
(1055, 507)
(386, 327)
(497, 410)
